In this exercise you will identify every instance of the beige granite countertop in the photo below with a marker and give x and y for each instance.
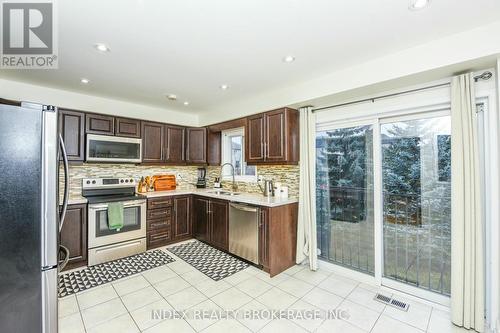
(75, 200)
(249, 198)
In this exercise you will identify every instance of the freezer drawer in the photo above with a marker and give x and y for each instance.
(49, 301)
(116, 251)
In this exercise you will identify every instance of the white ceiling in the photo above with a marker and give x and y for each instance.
(190, 48)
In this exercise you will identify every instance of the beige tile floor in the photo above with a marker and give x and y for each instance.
(126, 305)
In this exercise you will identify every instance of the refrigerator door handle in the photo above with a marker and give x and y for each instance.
(50, 225)
(66, 183)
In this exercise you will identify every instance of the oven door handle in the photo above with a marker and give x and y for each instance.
(125, 204)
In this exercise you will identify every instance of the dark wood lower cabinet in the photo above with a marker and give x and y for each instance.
(158, 222)
(278, 238)
(201, 218)
(182, 218)
(168, 220)
(211, 221)
(264, 238)
(158, 238)
(74, 235)
(176, 218)
(219, 223)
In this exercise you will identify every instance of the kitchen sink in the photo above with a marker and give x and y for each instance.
(224, 193)
(231, 193)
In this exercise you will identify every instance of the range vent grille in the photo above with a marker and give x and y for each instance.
(392, 302)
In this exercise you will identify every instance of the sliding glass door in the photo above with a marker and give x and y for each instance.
(383, 199)
(416, 185)
(344, 179)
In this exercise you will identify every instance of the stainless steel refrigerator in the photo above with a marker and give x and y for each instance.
(29, 218)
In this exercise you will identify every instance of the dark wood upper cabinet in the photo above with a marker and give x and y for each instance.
(126, 127)
(254, 138)
(201, 221)
(182, 217)
(214, 147)
(174, 144)
(99, 124)
(72, 129)
(273, 137)
(74, 235)
(219, 223)
(10, 102)
(152, 142)
(196, 145)
(274, 145)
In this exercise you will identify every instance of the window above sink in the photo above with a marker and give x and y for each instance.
(233, 151)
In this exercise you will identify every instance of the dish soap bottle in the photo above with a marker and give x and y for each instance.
(217, 182)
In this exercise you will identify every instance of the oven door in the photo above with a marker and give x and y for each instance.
(134, 223)
(104, 148)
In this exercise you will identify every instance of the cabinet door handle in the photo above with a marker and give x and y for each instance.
(160, 213)
(160, 203)
(159, 236)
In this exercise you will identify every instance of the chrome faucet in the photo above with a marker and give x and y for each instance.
(234, 187)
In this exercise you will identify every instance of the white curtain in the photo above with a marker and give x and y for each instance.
(467, 254)
(306, 230)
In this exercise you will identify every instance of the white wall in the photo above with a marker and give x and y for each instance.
(33, 93)
(454, 49)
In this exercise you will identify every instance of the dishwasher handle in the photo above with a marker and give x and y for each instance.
(243, 207)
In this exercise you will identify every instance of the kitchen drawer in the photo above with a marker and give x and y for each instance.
(158, 224)
(159, 202)
(162, 213)
(158, 238)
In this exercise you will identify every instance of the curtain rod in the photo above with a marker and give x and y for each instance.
(483, 76)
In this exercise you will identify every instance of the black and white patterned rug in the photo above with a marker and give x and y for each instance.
(213, 263)
(93, 276)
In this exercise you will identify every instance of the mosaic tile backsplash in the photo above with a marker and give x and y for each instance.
(288, 175)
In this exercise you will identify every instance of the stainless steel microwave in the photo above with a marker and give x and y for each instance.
(104, 148)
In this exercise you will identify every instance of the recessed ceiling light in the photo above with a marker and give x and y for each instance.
(85, 81)
(418, 4)
(172, 97)
(186, 103)
(224, 86)
(289, 59)
(102, 47)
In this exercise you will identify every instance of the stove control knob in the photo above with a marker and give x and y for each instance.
(131, 180)
(121, 180)
(88, 181)
(93, 182)
(126, 180)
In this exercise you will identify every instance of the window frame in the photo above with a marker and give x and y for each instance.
(225, 155)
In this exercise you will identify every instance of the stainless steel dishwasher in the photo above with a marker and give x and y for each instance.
(244, 231)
